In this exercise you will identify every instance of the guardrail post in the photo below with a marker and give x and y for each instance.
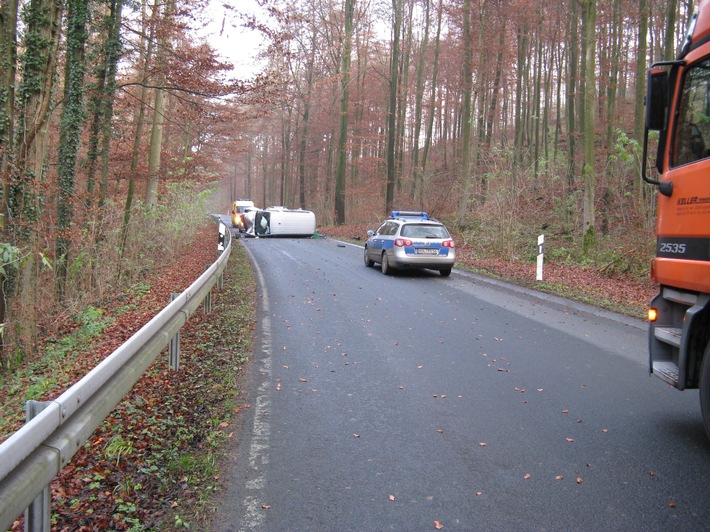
(174, 348)
(38, 514)
(208, 298)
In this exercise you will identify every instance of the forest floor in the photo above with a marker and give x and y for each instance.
(154, 463)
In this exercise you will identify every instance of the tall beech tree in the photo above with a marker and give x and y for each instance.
(340, 169)
(393, 85)
(589, 8)
(466, 115)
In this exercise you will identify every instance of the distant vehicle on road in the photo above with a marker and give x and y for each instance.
(239, 207)
(280, 221)
(410, 239)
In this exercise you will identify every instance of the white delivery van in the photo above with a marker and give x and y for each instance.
(279, 221)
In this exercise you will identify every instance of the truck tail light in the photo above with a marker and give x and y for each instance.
(652, 314)
(401, 242)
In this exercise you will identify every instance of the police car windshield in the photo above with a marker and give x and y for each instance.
(424, 231)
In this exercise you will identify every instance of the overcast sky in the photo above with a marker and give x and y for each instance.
(234, 43)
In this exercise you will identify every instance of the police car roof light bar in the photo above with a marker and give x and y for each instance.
(410, 214)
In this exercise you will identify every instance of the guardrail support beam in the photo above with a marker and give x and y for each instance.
(174, 348)
(207, 303)
(38, 514)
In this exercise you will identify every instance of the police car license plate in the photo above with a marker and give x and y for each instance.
(427, 251)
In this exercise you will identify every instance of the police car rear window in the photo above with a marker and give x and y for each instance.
(424, 231)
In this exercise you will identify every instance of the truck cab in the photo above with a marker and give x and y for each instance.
(678, 107)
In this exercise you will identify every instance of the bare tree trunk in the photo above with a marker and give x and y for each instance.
(466, 112)
(611, 109)
(590, 100)
(432, 101)
(639, 110)
(343, 132)
(571, 91)
(146, 46)
(669, 41)
(416, 183)
(156, 135)
(392, 107)
(522, 61)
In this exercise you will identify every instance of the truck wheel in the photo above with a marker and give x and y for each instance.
(705, 389)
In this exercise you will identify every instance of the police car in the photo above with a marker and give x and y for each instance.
(410, 239)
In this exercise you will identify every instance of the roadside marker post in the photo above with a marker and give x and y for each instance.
(221, 238)
(540, 255)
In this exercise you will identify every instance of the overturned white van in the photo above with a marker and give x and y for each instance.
(279, 221)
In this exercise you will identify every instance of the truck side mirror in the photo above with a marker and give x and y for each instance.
(656, 120)
(656, 99)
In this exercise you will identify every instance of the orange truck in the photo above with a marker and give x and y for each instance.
(678, 108)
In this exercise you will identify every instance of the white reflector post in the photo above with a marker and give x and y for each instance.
(220, 239)
(540, 254)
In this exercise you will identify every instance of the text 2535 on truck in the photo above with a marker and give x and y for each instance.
(678, 107)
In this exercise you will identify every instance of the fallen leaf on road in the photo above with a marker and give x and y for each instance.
(392, 498)
(302, 380)
(559, 477)
(570, 439)
(527, 476)
(482, 444)
(579, 480)
(265, 506)
(438, 525)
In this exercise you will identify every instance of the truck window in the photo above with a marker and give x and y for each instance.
(693, 127)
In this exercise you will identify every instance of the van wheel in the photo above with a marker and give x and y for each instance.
(445, 273)
(369, 263)
(705, 389)
(385, 263)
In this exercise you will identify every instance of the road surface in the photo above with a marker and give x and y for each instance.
(416, 402)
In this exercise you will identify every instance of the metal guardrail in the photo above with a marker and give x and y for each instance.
(35, 454)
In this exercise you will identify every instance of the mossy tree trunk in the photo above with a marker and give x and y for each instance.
(70, 127)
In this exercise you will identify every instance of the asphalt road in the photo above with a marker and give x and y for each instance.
(414, 402)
